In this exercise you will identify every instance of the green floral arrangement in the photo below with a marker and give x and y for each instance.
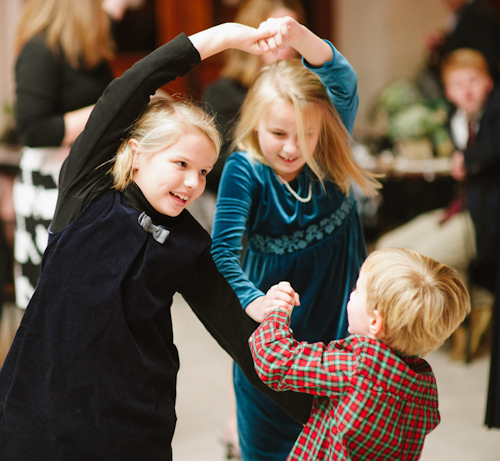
(404, 114)
(398, 96)
(416, 122)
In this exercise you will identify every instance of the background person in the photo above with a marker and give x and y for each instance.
(466, 234)
(63, 50)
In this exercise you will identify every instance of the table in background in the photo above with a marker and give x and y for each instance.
(410, 187)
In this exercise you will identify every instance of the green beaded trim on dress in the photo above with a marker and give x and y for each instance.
(301, 239)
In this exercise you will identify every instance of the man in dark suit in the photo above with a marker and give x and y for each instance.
(471, 24)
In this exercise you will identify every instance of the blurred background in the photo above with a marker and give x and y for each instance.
(399, 131)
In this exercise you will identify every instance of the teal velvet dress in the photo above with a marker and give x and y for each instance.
(317, 246)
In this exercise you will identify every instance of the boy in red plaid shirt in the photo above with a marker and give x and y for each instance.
(375, 398)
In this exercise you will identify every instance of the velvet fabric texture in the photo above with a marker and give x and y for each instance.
(317, 246)
(92, 370)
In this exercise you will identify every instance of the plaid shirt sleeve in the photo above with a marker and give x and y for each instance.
(286, 364)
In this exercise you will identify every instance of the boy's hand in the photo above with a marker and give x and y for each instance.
(458, 170)
(281, 296)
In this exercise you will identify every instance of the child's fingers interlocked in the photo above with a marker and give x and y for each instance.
(281, 296)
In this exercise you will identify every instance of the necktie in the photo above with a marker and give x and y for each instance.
(472, 126)
(459, 202)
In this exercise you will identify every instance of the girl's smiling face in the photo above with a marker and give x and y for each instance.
(175, 177)
(277, 133)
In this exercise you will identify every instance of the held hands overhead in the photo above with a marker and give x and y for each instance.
(271, 36)
(283, 32)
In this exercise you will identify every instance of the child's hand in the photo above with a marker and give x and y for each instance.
(287, 32)
(281, 296)
(458, 169)
(232, 35)
(248, 39)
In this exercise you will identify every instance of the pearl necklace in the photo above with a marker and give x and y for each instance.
(297, 196)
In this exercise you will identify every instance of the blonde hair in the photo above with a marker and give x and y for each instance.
(159, 127)
(464, 58)
(243, 67)
(288, 81)
(80, 30)
(420, 300)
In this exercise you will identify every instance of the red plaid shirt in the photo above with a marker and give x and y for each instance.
(370, 403)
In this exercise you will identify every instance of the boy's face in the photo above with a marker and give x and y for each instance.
(468, 89)
(357, 315)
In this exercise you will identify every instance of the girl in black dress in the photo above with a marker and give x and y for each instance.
(92, 371)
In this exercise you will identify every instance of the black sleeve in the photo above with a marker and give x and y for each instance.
(83, 174)
(483, 157)
(224, 99)
(216, 305)
(37, 75)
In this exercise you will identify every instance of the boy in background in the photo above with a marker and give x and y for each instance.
(466, 235)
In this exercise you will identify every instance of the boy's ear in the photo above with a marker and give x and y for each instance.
(376, 325)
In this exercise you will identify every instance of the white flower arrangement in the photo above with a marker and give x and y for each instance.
(416, 122)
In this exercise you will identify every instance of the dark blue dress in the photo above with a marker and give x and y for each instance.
(317, 246)
(91, 374)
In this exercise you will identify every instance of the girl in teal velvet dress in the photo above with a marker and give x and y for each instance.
(288, 191)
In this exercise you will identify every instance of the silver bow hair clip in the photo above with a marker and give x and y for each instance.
(159, 233)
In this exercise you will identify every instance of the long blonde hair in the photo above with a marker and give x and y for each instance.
(288, 81)
(160, 126)
(243, 67)
(421, 301)
(79, 29)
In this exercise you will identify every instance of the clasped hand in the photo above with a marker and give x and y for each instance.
(282, 32)
(280, 296)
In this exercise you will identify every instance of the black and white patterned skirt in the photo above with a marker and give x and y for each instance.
(35, 197)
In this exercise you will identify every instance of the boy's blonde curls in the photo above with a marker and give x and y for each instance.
(159, 127)
(420, 300)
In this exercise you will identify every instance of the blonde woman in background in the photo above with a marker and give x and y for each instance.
(63, 48)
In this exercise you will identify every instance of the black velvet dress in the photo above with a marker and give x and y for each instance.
(91, 374)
